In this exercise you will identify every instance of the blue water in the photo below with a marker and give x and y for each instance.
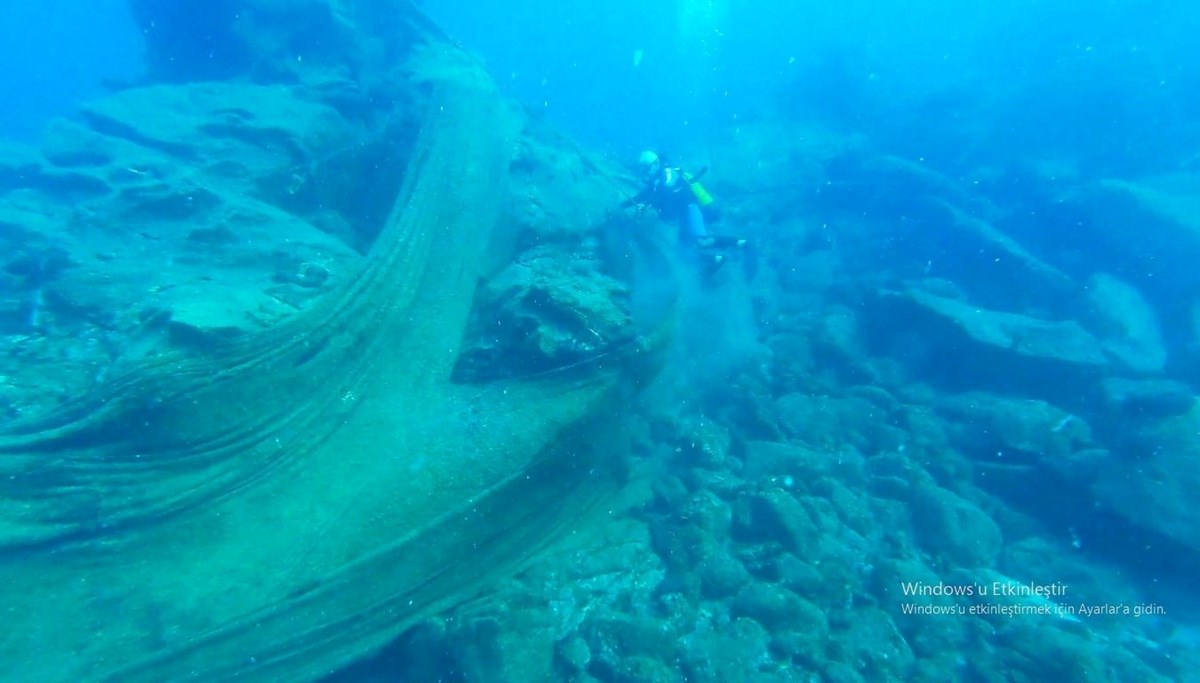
(57, 55)
(1111, 82)
(1022, 76)
(948, 340)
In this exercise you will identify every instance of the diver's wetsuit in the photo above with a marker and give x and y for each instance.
(671, 194)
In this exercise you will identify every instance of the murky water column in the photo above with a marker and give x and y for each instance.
(701, 36)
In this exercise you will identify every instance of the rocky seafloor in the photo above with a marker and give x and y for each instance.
(924, 379)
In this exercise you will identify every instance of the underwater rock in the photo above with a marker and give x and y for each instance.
(893, 181)
(775, 515)
(233, 131)
(682, 547)
(775, 607)
(805, 636)
(953, 528)
(34, 262)
(931, 639)
(482, 648)
(1030, 650)
(944, 523)
(535, 626)
(69, 185)
(17, 161)
(738, 650)
(68, 144)
(178, 211)
(545, 311)
(1153, 483)
(1127, 325)
(23, 168)
(193, 192)
(791, 465)
(1148, 398)
(210, 279)
(792, 573)
(1020, 266)
(892, 476)
(551, 180)
(616, 640)
(574, 655)
(828, 422)
(874, 645)
(747, 401)
(648, 668)
(835, 479)
(921, 223)
(17, 316)
(976, 348)
(1048, 560)
(840, 672)
(851, 507)
(697, 442)
(1013, 431)
(496, 649)
(721, 576)
(203, 323)
(1146, 228)
(839, 344)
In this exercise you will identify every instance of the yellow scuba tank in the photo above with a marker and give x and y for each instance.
(703, 198)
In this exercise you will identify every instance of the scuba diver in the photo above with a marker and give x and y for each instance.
(677, 195)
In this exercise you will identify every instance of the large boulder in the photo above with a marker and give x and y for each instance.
(1127, 325)
(1147, 398)
(899, 219)
(547, 310)
(189, 212)
(971, 347)
(1153, 485)
(1012, 431)
(1147, 231)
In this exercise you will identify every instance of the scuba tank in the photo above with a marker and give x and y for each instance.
(703, 198)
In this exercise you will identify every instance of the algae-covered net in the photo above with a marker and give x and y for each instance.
(278, 509)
